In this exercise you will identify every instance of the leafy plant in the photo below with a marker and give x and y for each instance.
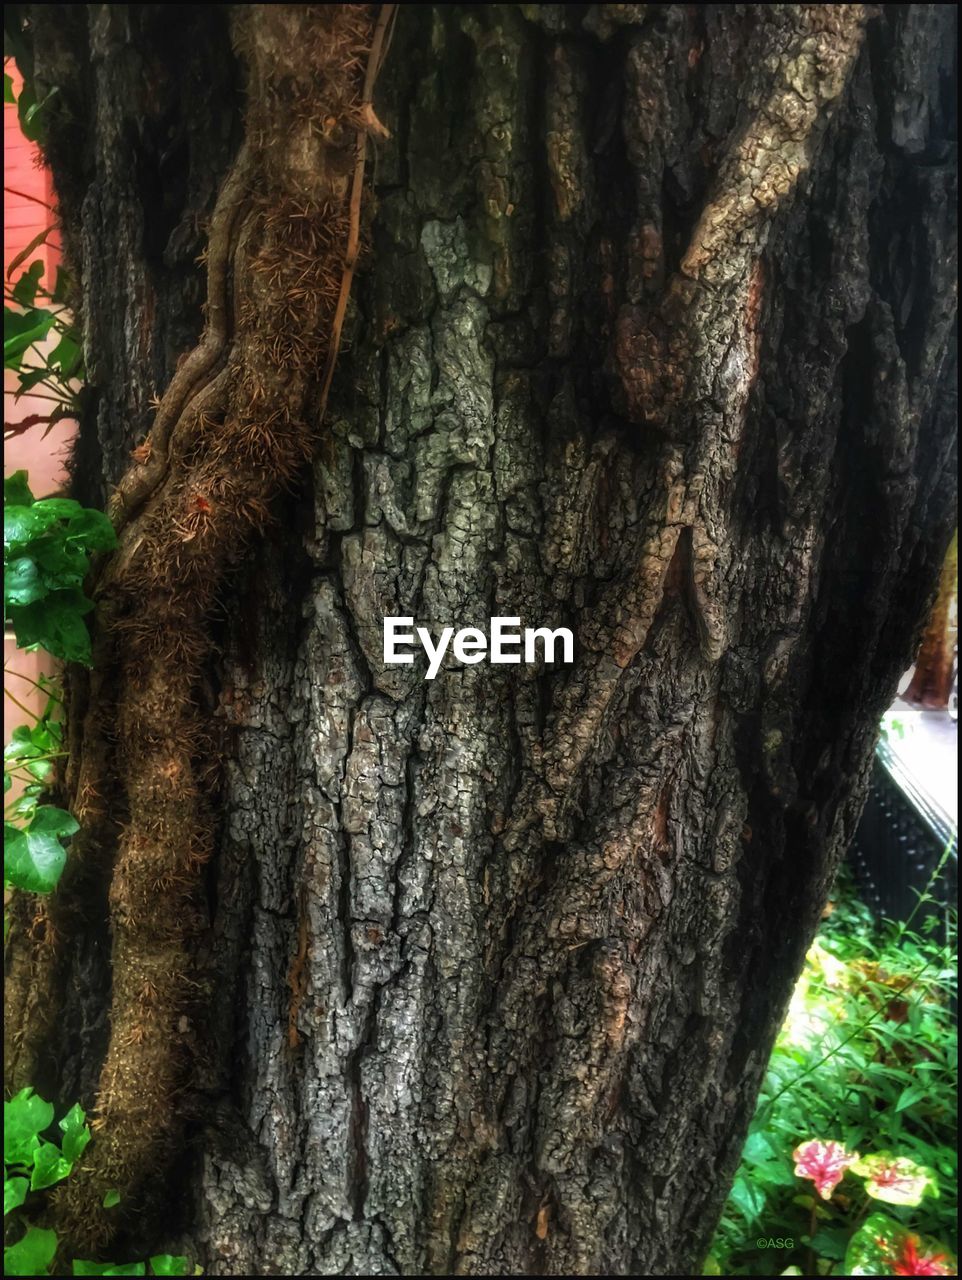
(47, 544)
(47, 549)
(865, 1062)
(40, 341)
(28, 108)
(33, 848)
(882, 1247)
(34, 1160)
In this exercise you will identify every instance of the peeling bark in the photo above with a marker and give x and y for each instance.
(653, 339)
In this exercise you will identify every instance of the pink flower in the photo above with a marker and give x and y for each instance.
(824, 1162)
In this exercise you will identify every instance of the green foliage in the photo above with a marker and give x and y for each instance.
(41, 344)
(35, 1159)
(33, 848)
(34, 857)
(866, 1060)
(32, 1254)
(47, 545)
(162, 1264)
(28, 108)
(30, 1157)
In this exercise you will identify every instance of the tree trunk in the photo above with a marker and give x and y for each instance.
(652, 338)
(931, 683)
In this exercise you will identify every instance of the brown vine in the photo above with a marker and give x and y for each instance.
(238, 421)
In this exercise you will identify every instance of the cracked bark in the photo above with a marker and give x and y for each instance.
(653, 339)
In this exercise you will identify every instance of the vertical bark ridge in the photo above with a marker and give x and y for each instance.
(659, 306)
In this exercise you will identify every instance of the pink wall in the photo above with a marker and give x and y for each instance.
(28, 195)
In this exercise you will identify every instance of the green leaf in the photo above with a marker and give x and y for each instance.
(21, 582)
(757, 1149)
(76, 1135)
(830, 1242)
(34, 859)
(21, 330)
(21, 525)
(168, 1264)
(51, 821)
(25, 289)
(81, 1268)
(66, 356)
(28, 378)
(112, 1198)
(8, 94)
(61, 287)
(25, 1117)
(56, 624)
(32, 1255)
(16, 491)
(28, 109)
(14, 1193)
(93, 528)
(914, 1093)
(49, 1167)
(747, 1198)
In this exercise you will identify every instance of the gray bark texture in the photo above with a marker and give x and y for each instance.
(653, 338)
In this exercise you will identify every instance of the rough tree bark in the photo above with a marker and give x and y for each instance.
(653, 339)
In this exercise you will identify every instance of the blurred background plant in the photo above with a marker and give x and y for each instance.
(866, 1059)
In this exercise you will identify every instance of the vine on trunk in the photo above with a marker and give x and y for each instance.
(237, 423)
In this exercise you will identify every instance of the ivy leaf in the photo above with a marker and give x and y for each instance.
(81, 1268)
(94, 528)
(25, 289)
(21, 525)
(16, 491)
(14, 1193)
(168, 1264)
(49, 1167)
(21, 582)
(25, 1117)
(63, 562)
(33, 859)
(56, 624)
(32, 1255)
(66, 356)
(28, 110)
(76, 1135)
